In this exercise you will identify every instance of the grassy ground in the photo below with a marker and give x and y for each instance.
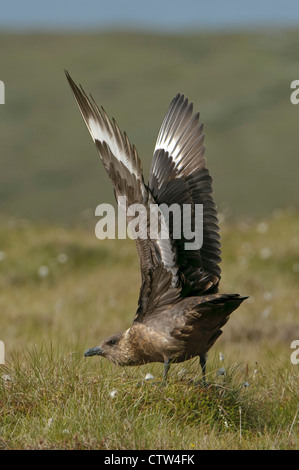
(62, 290)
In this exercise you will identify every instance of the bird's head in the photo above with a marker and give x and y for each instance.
(116, 348)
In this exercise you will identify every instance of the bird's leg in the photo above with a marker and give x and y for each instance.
(203, 363)
(166, 369)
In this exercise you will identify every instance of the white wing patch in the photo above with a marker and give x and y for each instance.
(102, 134)
(171, 147)
(168, 259)
(166, 250)
(181, 134)
(103, 130)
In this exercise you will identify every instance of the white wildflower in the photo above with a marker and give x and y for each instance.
(246, 384)
(62, 258)
(268, 295)
(43, 271)
(113, 393)
(266, 312)
(242, 260)
(221, 356)
(226, 424)
(6, 378)
(265, 253)
(247, 248)
(262, 227)
(148, 377)
(221, 371)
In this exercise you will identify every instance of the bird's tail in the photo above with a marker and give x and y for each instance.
(209, 315)
(227, 303)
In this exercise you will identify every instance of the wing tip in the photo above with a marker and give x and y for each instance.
(69, 78)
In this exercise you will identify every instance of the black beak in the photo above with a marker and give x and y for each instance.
(97, 351)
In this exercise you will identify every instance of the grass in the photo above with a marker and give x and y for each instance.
(59, 401)
(51, 397)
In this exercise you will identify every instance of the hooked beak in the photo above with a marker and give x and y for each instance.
(97, 351)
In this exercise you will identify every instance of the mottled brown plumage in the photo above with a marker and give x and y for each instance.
(180, 312)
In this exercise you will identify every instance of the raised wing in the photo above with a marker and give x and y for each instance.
(179, 175)
(159, 273)
(119, 157)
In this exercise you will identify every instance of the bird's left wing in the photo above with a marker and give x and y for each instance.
(119, 157)
(124, 168)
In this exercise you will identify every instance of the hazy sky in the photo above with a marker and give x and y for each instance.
(153, 14)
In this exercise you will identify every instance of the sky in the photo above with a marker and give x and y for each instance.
(167, 15)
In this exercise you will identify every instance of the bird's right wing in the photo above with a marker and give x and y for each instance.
(179, 175)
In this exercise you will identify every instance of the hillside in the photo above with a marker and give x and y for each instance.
(239, 81)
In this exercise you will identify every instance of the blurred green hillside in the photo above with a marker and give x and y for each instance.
(239, 81)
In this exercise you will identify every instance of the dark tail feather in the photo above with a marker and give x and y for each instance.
(216, 309)
(232, 302)
(226, 303)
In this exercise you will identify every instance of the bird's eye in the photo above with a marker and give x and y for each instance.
(111, 342)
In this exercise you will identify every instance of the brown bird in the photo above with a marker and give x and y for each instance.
(180, 312)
